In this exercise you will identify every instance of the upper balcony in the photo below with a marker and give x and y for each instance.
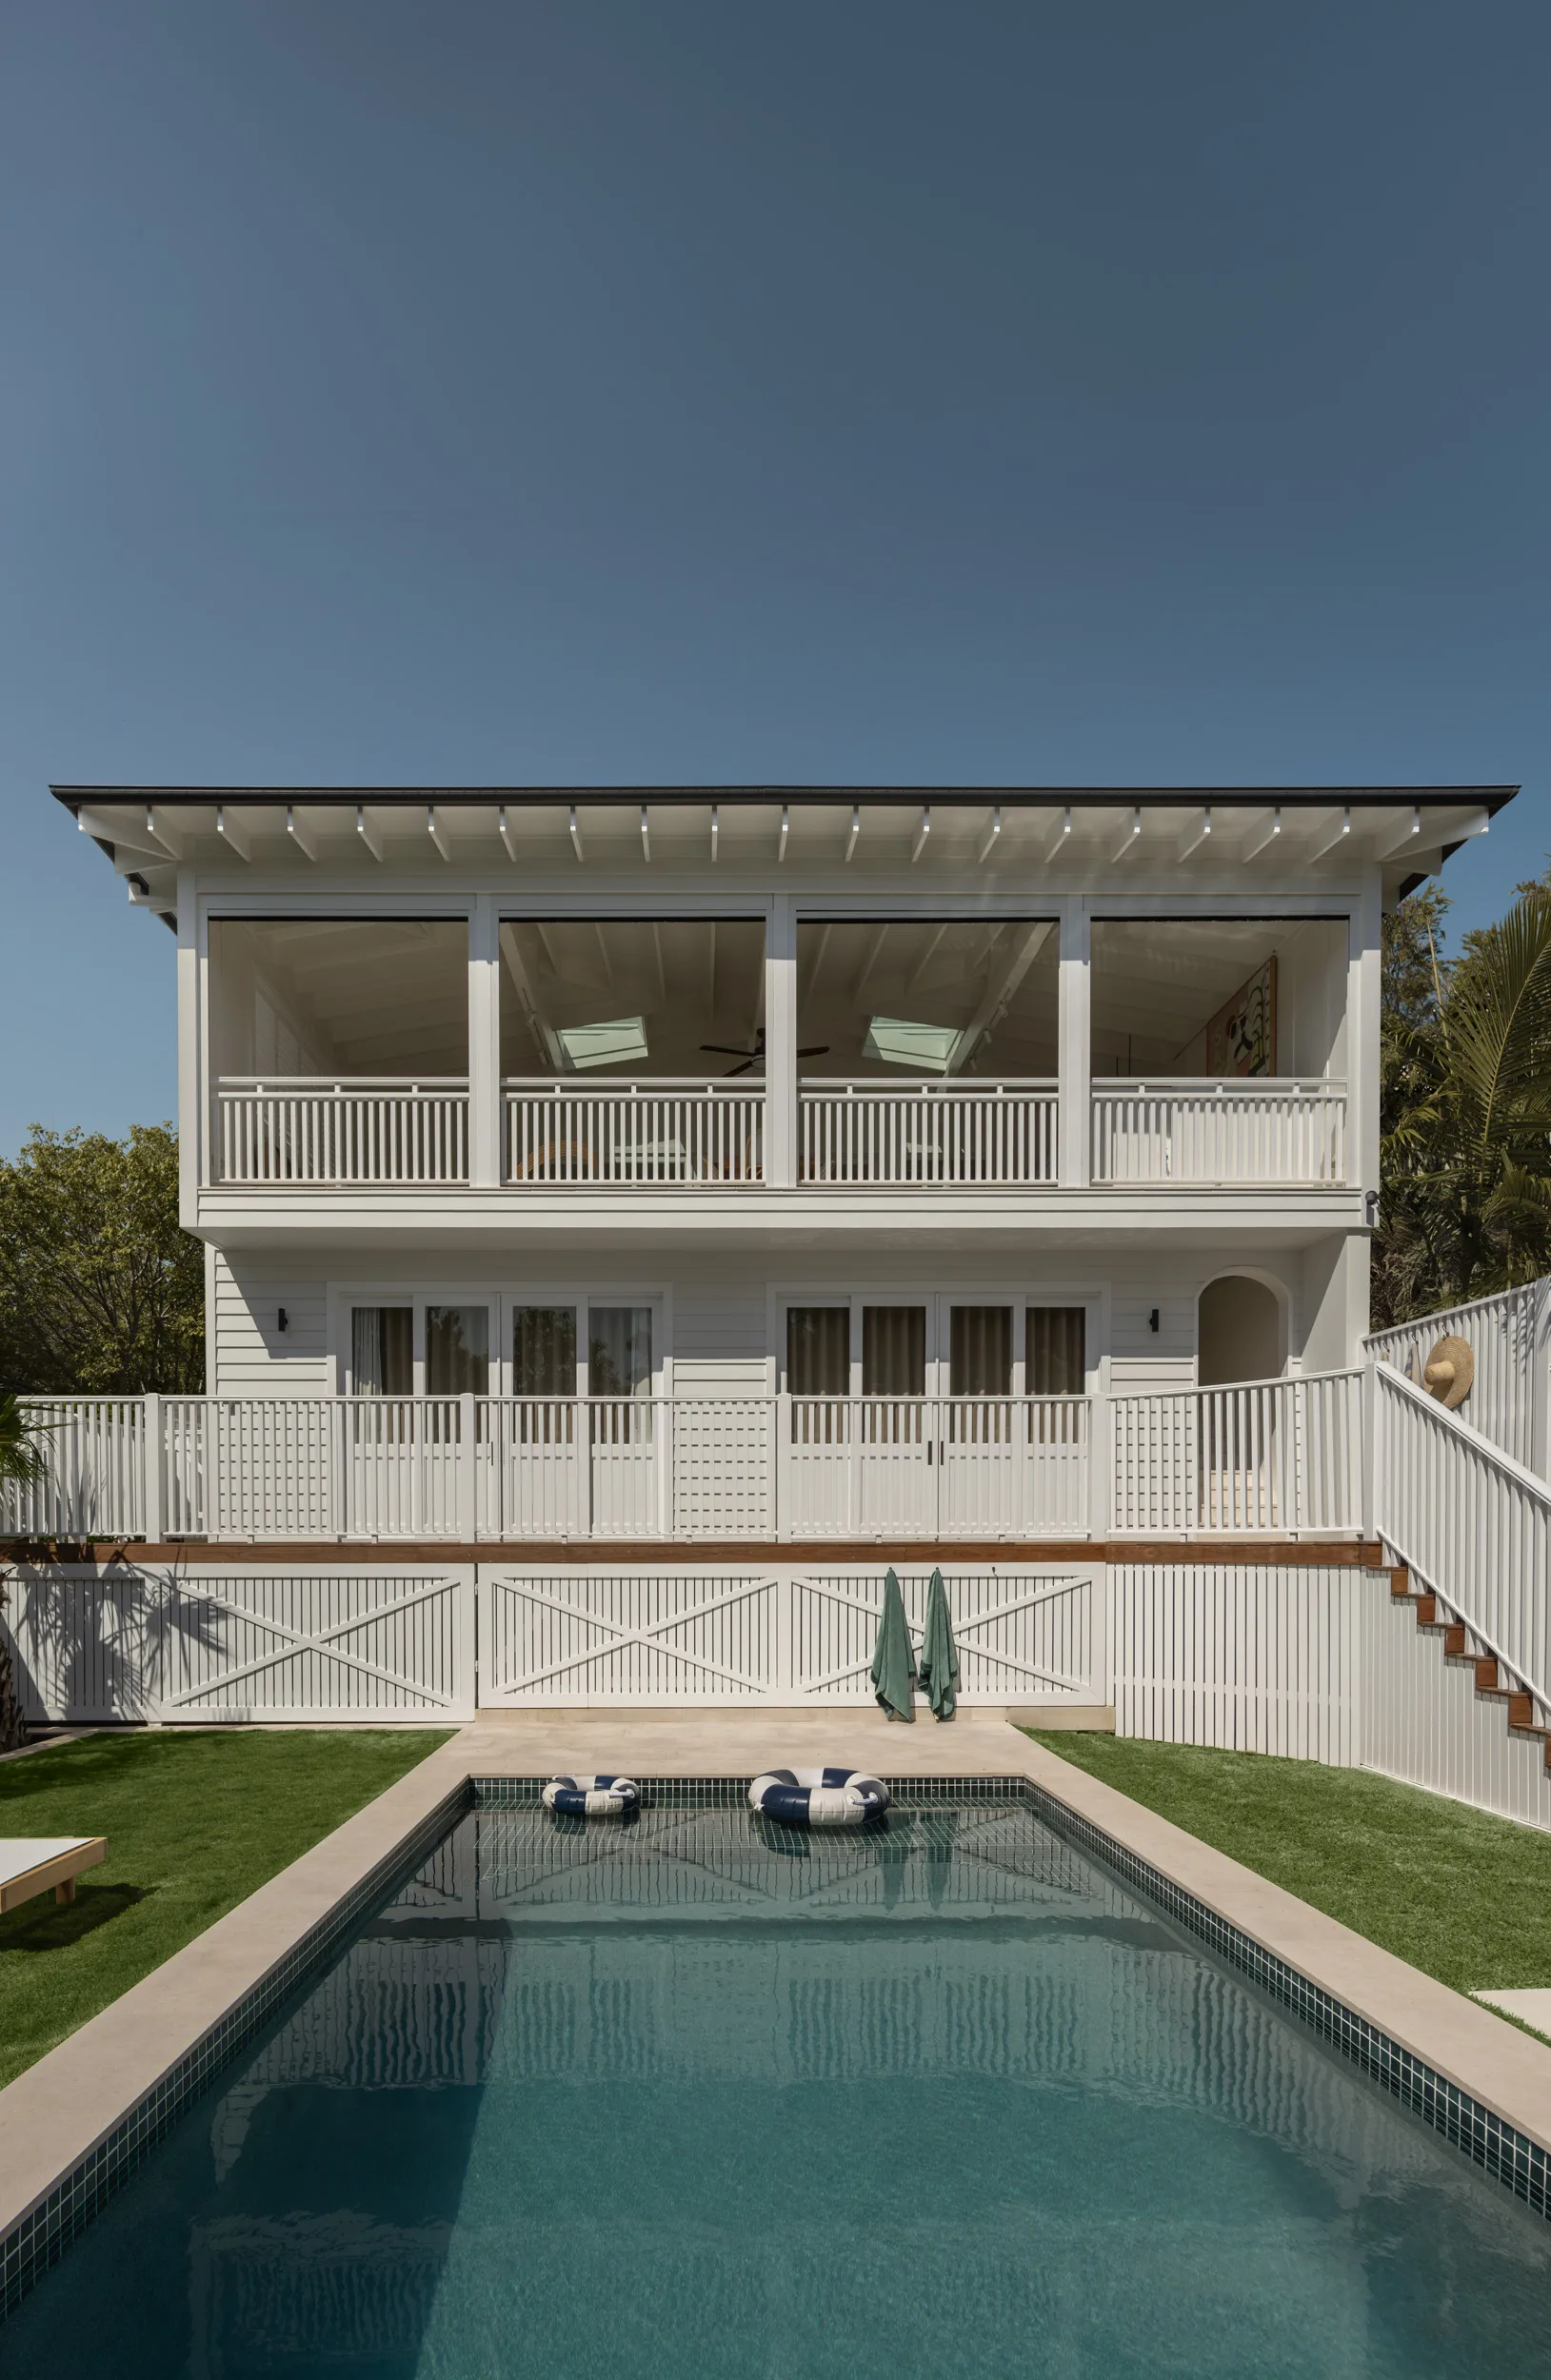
(918, 1055)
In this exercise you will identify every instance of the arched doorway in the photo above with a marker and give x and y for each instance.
(1238, 1332)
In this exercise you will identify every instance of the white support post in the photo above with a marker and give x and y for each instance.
(468, 1460)
(781, 1470)
(1363, 998)
(153, 1501)
(196, 1096)
(1074, 1037)
(484, 1044)
(780, 1047)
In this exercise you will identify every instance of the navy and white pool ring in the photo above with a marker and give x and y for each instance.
(592, 1796)
(819, 1797)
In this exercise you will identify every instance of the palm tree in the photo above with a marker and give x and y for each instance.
(22, 1463)
(1467, 1145)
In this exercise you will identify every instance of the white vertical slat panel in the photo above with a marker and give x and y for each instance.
(1248, 1656)
(1189, 1130)
(1424, 1723)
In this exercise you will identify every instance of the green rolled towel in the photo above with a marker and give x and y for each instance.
(893, 1662)
(939, 1654)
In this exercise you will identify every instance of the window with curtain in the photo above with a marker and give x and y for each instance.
(1055, 1351)
(381, 1351)
(457, 1351)
(819, 1351)
(618, 1351)
(893, 1351)
(979, 1351)
(544, 1351)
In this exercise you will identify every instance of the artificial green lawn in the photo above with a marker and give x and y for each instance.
(1463, 1897)
(194, 1822)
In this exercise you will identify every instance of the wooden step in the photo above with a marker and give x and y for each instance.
(1399, 1583)
(1522, 1715)
(1489, 1680)
(1426, 1609)
(1454, 1640)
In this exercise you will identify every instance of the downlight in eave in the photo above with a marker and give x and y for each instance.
(617, 1044)
(927, 1047)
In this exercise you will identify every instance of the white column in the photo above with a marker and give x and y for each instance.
(485, 1043)
(1363, 999)
(781, 1047)
(1074, 1041)
(197, 1094)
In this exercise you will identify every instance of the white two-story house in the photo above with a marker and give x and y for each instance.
(774, 1164)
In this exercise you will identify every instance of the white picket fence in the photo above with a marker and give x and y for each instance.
(1271, 1458)
(934, 1132)
(626, 1134)
(1509, 1335)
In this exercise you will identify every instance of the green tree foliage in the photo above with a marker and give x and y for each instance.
(100, 1292)
(1465, 1106)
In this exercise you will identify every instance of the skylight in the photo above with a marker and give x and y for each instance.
(928, 1047)
(614, 1045)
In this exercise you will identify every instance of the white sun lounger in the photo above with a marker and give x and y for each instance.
(29, 1863)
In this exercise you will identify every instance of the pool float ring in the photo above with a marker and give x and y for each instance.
(819, 1797)
(592, 1796)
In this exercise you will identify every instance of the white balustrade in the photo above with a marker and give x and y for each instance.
(629, 1134)
(1473, 1525)
(934, 1466)
(956, 1133)
(1509, 1336)
(94, 1448)
(360, 1130)
(1179, 1130)
(1268, 1456)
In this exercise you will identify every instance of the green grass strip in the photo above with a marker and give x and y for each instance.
(1462, 1895)
(195, 1820)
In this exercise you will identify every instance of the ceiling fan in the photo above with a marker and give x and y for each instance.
(751, 1058)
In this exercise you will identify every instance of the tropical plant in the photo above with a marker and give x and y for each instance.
(22, 1461)
(1467, 1107)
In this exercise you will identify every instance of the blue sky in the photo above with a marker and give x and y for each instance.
(499, 392)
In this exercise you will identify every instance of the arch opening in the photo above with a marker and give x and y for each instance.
(1240, 1332)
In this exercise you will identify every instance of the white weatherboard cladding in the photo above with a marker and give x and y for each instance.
(590, 1636)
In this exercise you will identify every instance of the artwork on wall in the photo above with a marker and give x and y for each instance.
(1241, 1038)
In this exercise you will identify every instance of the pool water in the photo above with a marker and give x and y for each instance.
(699, 2096)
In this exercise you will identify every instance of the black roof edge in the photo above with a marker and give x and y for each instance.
(1490, 798)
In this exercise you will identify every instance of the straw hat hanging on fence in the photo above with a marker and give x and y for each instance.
(1449, 1371)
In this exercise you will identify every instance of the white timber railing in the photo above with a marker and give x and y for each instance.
(1175, 1129)
(1471, 1524)
(626, 1134)
(353, 1130)
(1509, 1335)
(1268, 1456)
(1273, 1457)
(954, 1133)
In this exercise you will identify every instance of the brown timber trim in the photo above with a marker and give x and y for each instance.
(1284, 1553)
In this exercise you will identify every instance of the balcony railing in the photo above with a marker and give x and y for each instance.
(625, 1135)
(895, 1136)
(356, 1129)
(1239, 1131)
(1273, 1457)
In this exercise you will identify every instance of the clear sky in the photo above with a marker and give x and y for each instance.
(850, 389)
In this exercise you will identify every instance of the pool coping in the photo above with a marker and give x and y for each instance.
(76, 2124)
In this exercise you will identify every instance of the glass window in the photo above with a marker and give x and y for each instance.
(644, 997)
(618, 1351)
(893, 1351)
(457, 1351)
(544, 1351)
(1055, 1351)
(381, 1351)
(981, 1351)
(897, 999)
(819, 1351)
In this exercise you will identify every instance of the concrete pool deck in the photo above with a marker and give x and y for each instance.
(55, 2118)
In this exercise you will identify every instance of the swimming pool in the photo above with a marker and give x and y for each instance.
(697, 2095)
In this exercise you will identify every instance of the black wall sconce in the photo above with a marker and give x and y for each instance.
(285, 1319)
(1152, 1319)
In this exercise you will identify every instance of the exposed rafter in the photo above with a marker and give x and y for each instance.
(856, 829)
(434, 830)
(923, 832)
(576, 835)
(504, 832)
(1264, 835)
(1406, 834)
(716, 834)
(991, 836)
(233, 834)
(785, 829)
(1332, 837)
(1129, 840)
(365, 833)
(646, 834)
(1195, 835)
(300, 836)
(1059, 841)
